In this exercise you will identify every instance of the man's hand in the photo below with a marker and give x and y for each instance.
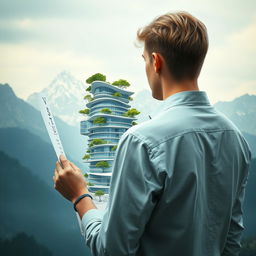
(69, 180)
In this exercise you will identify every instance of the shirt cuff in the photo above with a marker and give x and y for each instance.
(92, 214)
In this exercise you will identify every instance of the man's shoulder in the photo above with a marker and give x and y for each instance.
(151, 131)
(182, 121)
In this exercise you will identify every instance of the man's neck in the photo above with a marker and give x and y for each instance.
(169, 90)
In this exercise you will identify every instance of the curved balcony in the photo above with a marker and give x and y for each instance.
(113, 99)
(108, 87)
(94, 188)
(111, 124)
(111, 117)
(114, 113)
(99, 170)
(109, 95)
(104, 135)
(111, 107)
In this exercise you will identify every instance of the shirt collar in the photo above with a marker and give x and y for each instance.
(190, 98)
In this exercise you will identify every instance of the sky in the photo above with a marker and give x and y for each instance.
(39, 39)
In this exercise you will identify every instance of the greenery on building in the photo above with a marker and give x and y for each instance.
(134, 123)
(117, 94)
(106, 111)
(99, 193)
(131, 112)
(121, 83)
(86, 175)
(130, 98)
(97, 142)
(88, 89)
(86, 156)
(96, 77)
(102, 164)
(85, 111)
(88, 97)
(114, 148)
(90, 184)
(88, 151)
(99, 120)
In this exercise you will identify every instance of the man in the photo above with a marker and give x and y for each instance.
(178, 180)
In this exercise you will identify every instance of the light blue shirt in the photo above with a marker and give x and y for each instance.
(177, 186)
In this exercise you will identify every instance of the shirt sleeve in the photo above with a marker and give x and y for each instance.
(134, 190)
(236, 227)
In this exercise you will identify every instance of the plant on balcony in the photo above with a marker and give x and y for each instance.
(134, 123)
(86, 156)
(90, 184)
(88, 89)
(99, 120)
(88, 151)
(130, 98)
(106, 111)
(97, 142)
(102, 164)
(99, 193)
(88, 97)
(96, 77)
(86, 175)
(114, 148)
(117, 94)
(85, 111)
(121, 83)
(131, 112)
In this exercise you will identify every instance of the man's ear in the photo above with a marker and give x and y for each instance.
(157, 61)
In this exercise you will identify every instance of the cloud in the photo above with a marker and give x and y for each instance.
(24, 67)
(40, 39)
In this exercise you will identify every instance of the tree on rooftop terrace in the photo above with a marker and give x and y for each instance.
(121, 83)
(99, 193)
(96, 77)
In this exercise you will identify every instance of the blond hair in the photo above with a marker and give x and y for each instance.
(181, 39)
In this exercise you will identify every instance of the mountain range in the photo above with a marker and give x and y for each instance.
(17, 113)
(29, 205)
(65, 96)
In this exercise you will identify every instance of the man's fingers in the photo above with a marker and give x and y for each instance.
(64, 161)
(58, 167)
(56, 174)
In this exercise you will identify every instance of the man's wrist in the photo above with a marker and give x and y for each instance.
(83, 192)
(84, 205)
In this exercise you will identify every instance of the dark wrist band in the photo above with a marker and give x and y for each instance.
(79, 198)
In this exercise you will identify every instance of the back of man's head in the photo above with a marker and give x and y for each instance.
(181, 39)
